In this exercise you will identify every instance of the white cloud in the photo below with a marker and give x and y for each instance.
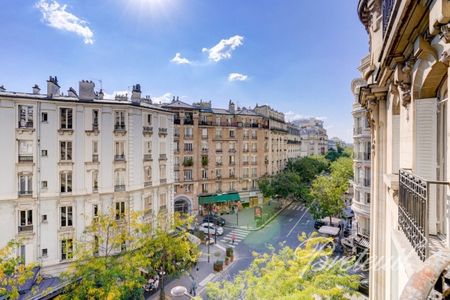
(56, 16)
(114, 94)
(166, 98)
(179, 60)
(224, 48)
(237, 77)
(292, 116)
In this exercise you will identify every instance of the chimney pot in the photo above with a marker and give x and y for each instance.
(136, 94)
(36, 89)
(52, 87)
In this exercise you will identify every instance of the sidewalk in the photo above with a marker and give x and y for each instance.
(204, 274)
(245, 218)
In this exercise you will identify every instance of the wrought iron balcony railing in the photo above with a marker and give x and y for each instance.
(119, 187)
(413, 208)
(25, 158)
(25, 228)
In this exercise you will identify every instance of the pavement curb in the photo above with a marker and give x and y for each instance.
(265, 224)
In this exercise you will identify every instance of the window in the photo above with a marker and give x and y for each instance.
(188, 175)
(163, 201)
(231, 160)
(65, 115)
(25, 150)
(204, 174)
(367, 198)
(204, 146)
(120, 150)
(218, 173)
(204, 188)
(25, 184)
(66, 181)
(148, 204)
(147, 174)
(44, 153)
(44, 184)
(120, 210)
(218, 133)
(231, 186)
(66, 216)
(94, 119)
(218, 121)
(188, 131)
(66, 249)
(245, 172)
(119, 120)
(44, 252)
(219, 187)
(219, 147)
(176, 176)
(218, 159)
(25, 220)
(148, 120)
(231, 172)
(162, 122)
(25, 116)
(95, 210)
(188, 188)
(232, 146)
(65, 150)
(245, 147)
(188, 147)
(148, 147)
(204, 133)
(44, 117)
(232, 133)
(94, 181)
(253, 172)
(44, 218)
(162, 171)
(162, 149)
(119, 177)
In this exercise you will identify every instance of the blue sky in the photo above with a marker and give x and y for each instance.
(297, 56)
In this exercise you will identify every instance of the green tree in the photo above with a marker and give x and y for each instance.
(332, 155)
(309, 167)
(118, 252)
(307, 272)
(13, 272)
(265, 186)
(326, 197)
(342, 170)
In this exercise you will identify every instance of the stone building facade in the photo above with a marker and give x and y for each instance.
(69, 158)
(313, 135)
(406, 100)
(218, 151)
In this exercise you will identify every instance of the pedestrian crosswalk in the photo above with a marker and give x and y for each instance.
(298, 207)
(238, 234)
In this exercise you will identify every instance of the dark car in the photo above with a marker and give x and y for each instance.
(214, 219)
(318, 224)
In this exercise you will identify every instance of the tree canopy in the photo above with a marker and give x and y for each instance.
(308, 272)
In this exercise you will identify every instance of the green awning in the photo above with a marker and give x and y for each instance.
(218, 198)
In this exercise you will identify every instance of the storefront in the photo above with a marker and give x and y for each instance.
(219, 203)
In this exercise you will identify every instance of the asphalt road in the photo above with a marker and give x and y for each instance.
(284, 229)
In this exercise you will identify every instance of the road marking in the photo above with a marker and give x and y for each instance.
(207, 279)
(240, 230)
(220, 247)
(238, 234)
(295, 225)
(290, 220)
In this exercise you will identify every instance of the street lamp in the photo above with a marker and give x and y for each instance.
(180, 291)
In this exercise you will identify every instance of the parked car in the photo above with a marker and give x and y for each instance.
(318, 224)
(214, 219)
(210, 228)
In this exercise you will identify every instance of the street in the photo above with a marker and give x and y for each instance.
(285, 228)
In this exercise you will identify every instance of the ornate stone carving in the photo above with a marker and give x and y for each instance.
(445, 58)
(403, 80)
(445, 30)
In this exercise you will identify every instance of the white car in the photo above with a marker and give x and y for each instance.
(205, 227)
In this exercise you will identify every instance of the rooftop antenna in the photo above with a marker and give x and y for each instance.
(100, 82)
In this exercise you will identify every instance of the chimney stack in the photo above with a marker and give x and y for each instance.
(101, 95)
(86, 90)
(136, 94)
(36, 90)
(231, 107)
(52, 87)
(72, 93)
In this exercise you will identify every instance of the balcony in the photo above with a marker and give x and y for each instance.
(254, 150)
(413, 207)
(204, 151)
(232, 150)
(218, 163)
(119, 188)
(188, 122)
(148, 183)
(25, 124)
(147, 130)
(162, 131)
(147, 157)
(162, 157)
(26, 158)
(119, 128)
(245, 137)
(95, 158)
(25, 193)
(218, 150)
(188, 136)
(254, 137)
(245, 163)
(204, 137)
(246, 150)
(119, 157)
(25, 228)
(254, 163)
